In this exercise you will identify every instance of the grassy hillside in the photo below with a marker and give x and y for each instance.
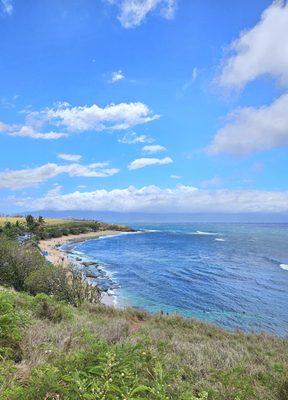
(50, 350)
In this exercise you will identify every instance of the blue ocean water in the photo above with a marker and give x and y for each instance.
(233, 275)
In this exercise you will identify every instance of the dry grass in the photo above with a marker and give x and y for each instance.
(207, 357)
(197, 356)
(49, 221)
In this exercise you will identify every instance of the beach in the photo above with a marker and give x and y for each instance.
(51, 249)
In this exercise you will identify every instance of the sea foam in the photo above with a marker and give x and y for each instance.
(204, 233)
(284, 266)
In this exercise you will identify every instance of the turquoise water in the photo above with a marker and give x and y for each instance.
(230, 274)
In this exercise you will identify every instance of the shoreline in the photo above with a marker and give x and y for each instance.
(53, 252)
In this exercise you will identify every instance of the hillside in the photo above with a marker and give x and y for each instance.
(50, 350)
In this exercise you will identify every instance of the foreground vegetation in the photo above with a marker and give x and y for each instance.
(57, 342)
(50, 350)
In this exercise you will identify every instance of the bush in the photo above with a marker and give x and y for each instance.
(25, 269)
(17, 262)
(10, 323)
(65, 284)
(45, 307)
(46, 279)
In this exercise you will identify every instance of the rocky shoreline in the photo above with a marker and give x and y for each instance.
(55, 252)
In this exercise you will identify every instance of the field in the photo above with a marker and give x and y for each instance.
(48, 221)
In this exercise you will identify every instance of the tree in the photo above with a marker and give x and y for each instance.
(40, 224)
(30, 221)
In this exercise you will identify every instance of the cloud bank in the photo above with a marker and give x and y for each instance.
(184, 199)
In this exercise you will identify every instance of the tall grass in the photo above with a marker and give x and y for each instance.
(95, 352)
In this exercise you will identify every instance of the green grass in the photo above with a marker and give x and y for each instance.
(50, 350)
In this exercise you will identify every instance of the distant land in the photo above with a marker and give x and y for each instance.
(124, 217)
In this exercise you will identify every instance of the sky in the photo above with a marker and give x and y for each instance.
(144, 106)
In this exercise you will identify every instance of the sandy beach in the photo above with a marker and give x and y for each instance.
(51, 248)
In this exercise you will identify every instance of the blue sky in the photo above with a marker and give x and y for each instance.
(161, 105)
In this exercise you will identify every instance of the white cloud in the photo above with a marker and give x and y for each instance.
(254, 129)
(175, 176)
(153, 149)
(117, 76)
(94, 118)
(145, 162)
(69, 157)
(184, 199)
(260, 50)
(29, 131)
(134, 12)
(24, 178)
(133, 138)
(7, 6)
(67, 120)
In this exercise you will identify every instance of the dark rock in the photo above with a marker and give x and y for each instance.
(89, 264)
(90, 274)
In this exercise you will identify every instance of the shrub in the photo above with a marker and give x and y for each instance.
(65, 284)
(10, 322)
(46, 279)
(17, 262)
(24, 268)
(105, 372)
(45, 307)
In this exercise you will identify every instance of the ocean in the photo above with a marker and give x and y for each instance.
(232, 275)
